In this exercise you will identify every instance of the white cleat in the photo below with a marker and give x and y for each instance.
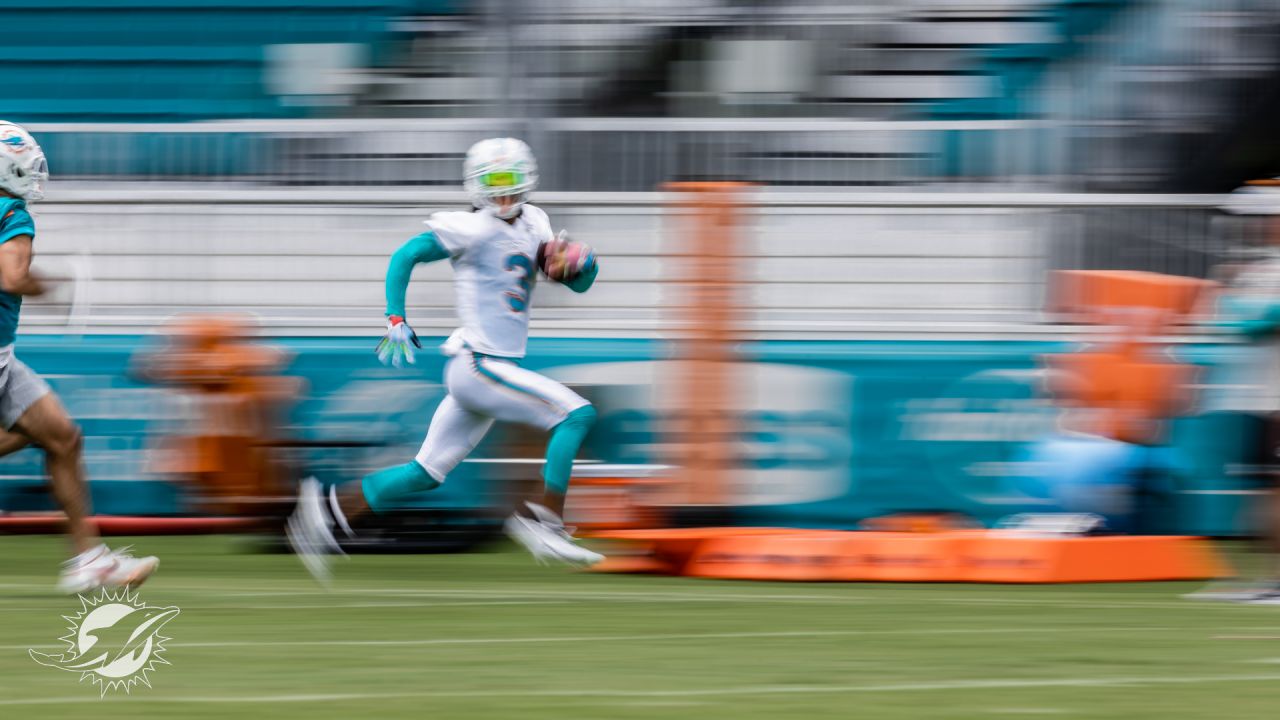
(546, 538)
(527, 532)
(310, 531)
(131, 571)
(562, 541)
(564, 547)
(104, 567)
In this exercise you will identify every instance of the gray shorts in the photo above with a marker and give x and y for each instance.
(20, 388)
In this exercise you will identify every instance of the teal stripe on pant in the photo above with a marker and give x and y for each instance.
(477, 361)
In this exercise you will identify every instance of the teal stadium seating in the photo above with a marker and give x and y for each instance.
(169, 60)
(1019, 68)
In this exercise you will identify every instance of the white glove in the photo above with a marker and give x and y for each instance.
(395, 348)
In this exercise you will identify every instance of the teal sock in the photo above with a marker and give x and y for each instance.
(389, 484)
(563, 446)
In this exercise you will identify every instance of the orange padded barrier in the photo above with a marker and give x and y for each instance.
(992, 558)
(640, 557)
(664, 551)
(961, 556)
(827, 556)
(1099, 294)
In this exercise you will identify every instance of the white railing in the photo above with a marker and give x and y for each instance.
(820, 265)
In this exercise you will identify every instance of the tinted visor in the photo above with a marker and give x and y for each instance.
(505, 179)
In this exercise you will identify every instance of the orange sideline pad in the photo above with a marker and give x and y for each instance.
(963, 556)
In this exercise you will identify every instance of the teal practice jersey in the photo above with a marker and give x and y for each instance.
(14, 221)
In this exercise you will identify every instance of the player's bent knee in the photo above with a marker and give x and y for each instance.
(583, 418)
(65, 441)
(384, 487)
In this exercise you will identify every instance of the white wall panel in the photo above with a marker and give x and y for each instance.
(317, 268)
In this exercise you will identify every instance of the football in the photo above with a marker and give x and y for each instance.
(563, 260)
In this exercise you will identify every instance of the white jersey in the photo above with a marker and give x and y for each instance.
(494, 267)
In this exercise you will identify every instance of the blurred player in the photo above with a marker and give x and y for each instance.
(496, 251)
(29, 411)
(1248, 393)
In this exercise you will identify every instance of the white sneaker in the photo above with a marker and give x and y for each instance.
(310, 531)
(546, 538)
(103, 567)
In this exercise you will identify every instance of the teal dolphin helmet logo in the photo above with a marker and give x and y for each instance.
(23, 168)
(114, 641)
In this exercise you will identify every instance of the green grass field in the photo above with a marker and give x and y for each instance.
(494, 636)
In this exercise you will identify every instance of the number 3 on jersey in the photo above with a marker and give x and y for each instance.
(522, 265)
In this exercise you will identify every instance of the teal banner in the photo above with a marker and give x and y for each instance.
(828, 433)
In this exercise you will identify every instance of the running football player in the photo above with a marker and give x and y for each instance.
(496, 251)
(30, 413)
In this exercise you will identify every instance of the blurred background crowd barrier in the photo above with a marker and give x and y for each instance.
(911, 177)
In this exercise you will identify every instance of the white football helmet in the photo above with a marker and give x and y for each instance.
(23, 169)
(500, 167)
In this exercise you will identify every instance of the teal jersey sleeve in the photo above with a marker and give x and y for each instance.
(15, 221)
(423, 248)
(585, 279)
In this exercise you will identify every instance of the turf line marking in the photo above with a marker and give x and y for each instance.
(877, 591)
(927, 632)
(748, 598)
(743, 690)
(518, 591)
(420, 604)
(869, 590)
(504, 591)
(882, 593)
(342, 606)
(887, 596)
(666, 703)
(687, 596)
